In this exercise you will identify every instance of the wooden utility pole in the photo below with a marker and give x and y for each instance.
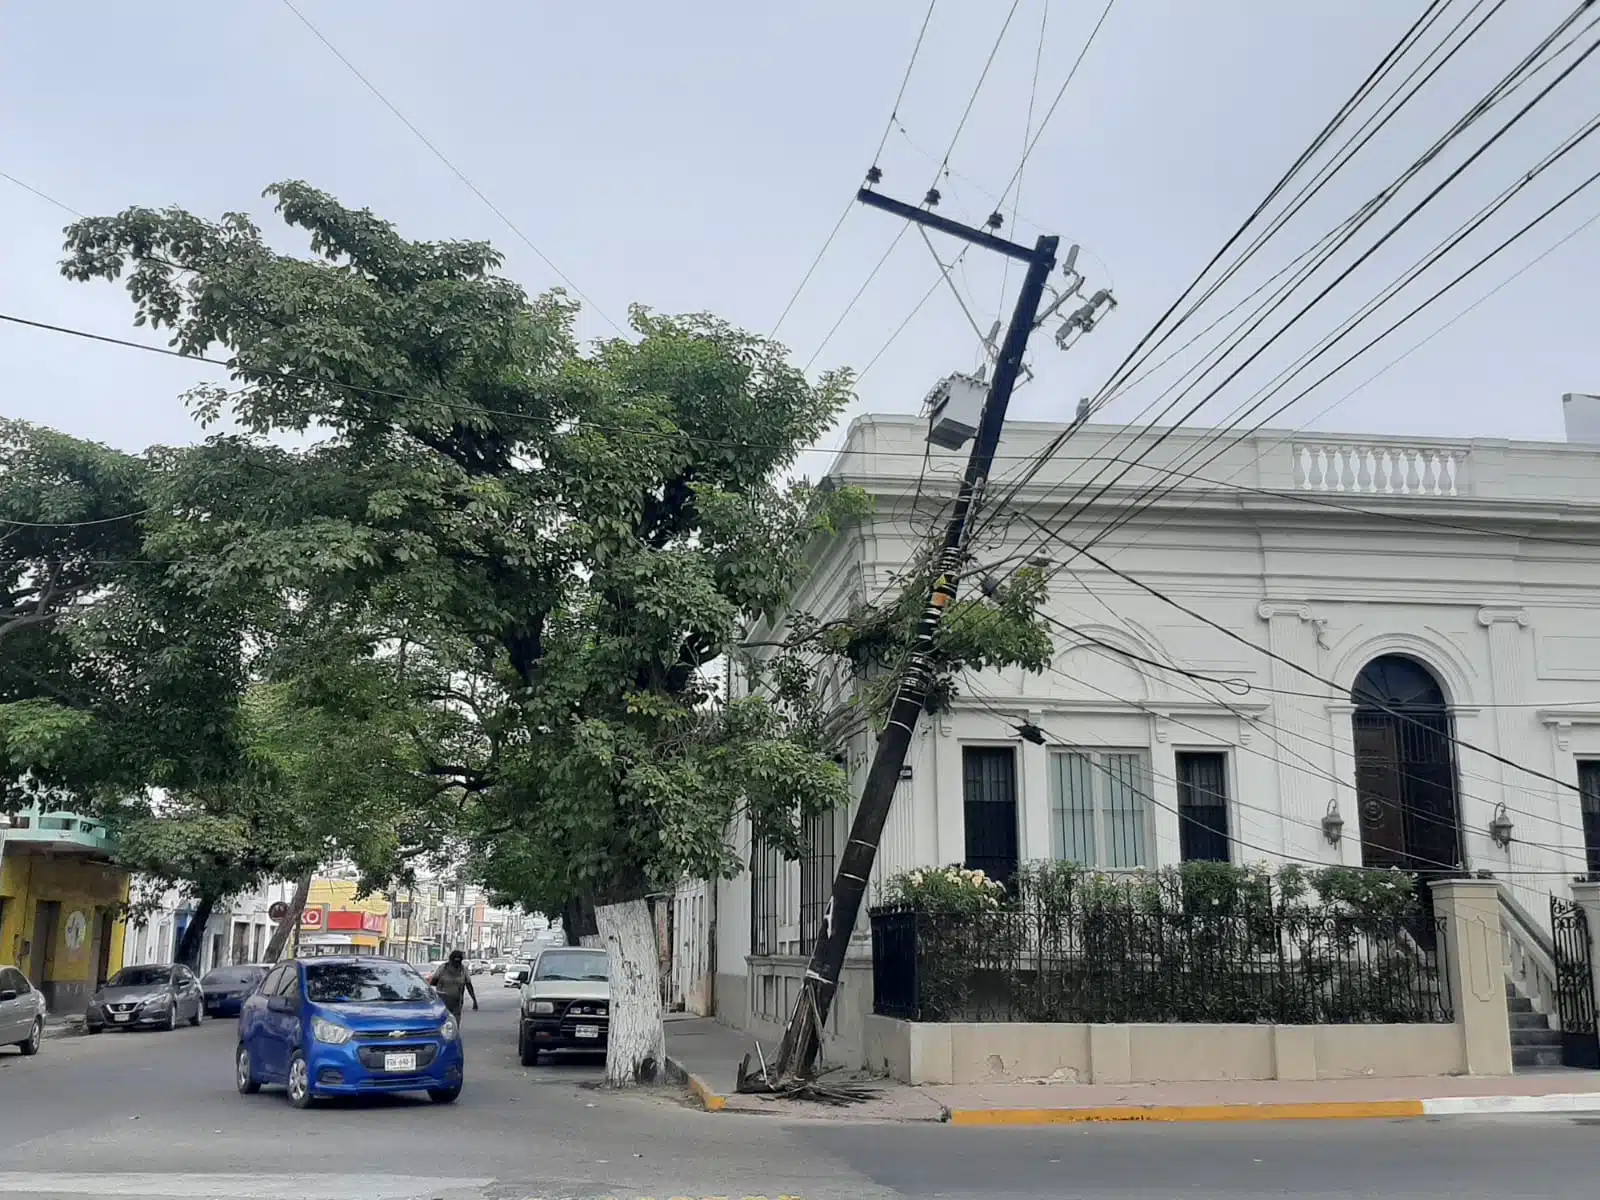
(798, 1053)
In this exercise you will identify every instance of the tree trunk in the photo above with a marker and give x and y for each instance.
(291, 920)
(577, 922)
(194, 935)
(637, 1047)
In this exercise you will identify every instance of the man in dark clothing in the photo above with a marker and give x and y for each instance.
(453, 982)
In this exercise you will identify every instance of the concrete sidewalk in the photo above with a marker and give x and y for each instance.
(705, 1056)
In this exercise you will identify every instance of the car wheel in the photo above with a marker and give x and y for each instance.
(30, 1045)
(526, 1050)
(194, 1021)
(444, 1095)
(95, 1028)
(299, 1083)
(171, 1022)
(245, 1072)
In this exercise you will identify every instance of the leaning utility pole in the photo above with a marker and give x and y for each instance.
(798, 1053)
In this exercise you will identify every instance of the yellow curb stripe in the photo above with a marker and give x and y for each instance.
(708, 1098)
(1312, 1111)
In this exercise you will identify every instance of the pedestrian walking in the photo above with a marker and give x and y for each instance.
(453, 982)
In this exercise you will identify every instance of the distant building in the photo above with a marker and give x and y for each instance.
(59, 897)
(336, 920)
(237, 932)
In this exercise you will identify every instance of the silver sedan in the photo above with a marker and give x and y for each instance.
(22, 1011)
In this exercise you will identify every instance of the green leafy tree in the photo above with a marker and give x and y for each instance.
(562, 542)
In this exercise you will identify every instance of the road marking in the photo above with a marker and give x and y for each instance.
(233, 1187)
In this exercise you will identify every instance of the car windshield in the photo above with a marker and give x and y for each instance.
(140, 977)
(363, 983)
(233, 976)
(573, 965)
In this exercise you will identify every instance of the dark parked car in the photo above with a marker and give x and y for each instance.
(21, 1012)
(347, 1026)
(145, 997)
(566, 1005)
(226, 987)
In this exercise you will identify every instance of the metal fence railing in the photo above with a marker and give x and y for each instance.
(1123, 963)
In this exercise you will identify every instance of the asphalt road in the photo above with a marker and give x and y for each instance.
(155, 1115)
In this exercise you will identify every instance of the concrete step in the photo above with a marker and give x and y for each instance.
(1519, 1004)
(1529, 1020)
(1534, 1057)
(1535, 1037)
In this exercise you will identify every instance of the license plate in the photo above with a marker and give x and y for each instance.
(587, 1031)
(121, 1016)
(399, 1062)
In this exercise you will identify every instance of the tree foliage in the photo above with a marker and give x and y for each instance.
(563, 539)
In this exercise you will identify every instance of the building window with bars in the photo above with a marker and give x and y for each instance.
(1589, 801)
(1099, 811)
(817, 866)
(1203, 806)
(766, 878)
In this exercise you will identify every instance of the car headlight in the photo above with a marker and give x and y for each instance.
(330, 1032)
(541, 1007)
(157, 1002)
(449, 1029)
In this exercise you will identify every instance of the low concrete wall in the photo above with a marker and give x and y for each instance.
(1008, 1052)
(760, 1002)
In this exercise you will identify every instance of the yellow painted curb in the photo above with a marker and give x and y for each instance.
(1314, 1111)
(708, 1098)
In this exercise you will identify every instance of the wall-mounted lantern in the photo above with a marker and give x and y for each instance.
(1333, 823)
(1500, 828)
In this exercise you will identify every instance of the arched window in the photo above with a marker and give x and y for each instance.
(1405, 768)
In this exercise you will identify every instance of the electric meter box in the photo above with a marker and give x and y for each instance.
(955, 407)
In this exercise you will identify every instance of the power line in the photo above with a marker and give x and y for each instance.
(1474, 267)
(1416, 270)
(1309, 768)
(1027, 134)
(977, 88)
(1016, 176)
(1088, 753)
(1133, 359)
(454, 170)
(1290, 663)
(888, 126)
(854, 300)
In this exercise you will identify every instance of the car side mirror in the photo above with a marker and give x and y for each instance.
(8, 994)
(280, 1004)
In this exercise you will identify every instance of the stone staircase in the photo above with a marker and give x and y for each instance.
(1534, 1045)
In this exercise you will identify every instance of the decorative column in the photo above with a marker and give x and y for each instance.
(1346, 800)
(1292, 634)
(1163, 785)
(1508, 667)
(1471, 956)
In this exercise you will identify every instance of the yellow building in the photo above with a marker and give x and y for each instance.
(60, 904)
(337, 921)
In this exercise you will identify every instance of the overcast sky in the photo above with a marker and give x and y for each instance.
(695, 155)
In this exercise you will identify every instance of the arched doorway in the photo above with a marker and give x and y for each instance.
(1405, 768)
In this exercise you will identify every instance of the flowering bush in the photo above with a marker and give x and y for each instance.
(949, 889)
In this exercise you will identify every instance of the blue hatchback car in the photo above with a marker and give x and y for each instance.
(348, 1026)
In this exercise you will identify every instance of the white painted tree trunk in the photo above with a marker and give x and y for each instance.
(636, 1051)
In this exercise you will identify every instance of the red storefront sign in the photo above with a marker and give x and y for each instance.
(357, 922)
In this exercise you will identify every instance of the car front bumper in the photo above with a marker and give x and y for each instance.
(357, 1068)
(140, 1019)
(558, 1033)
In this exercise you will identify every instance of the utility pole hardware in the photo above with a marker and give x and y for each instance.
(801, 1040)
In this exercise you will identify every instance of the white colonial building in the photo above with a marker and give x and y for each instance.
(1382, 651)
(238, 931)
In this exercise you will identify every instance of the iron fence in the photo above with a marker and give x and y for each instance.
(1123, 963)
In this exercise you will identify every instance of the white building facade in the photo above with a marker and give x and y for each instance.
(1292, 648)
(237, 932)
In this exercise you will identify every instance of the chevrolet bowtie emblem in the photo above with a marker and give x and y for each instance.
(397, 1033)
